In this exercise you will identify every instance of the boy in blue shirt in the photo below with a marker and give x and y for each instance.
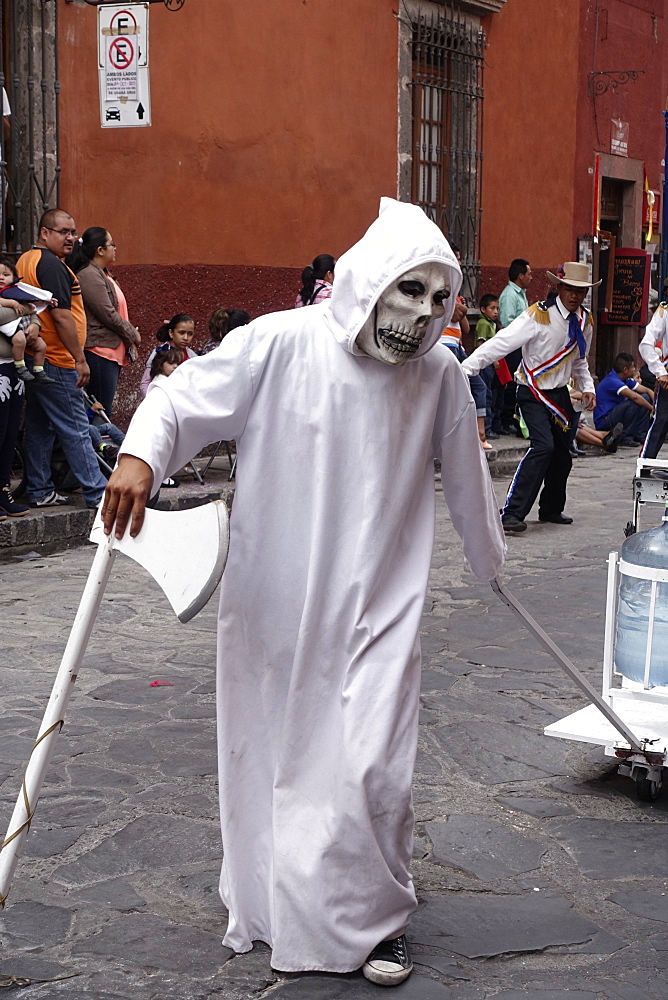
(620, 397)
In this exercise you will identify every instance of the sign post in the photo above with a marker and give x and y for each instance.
(125, 97)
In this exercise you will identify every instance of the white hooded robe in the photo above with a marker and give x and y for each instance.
(318, 649)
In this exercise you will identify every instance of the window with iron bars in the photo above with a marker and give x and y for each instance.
(446, 85)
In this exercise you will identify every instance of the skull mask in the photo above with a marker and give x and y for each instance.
(395, 331)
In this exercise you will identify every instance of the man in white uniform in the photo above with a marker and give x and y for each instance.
(338, 411)
(554, 339)
(656, 332)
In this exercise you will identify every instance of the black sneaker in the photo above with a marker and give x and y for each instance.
(389, 963)
(52, 499)
(24, 373)
(8, 505)
(41, 378)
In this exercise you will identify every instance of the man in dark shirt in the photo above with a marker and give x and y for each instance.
(58, 411)
(621, 398)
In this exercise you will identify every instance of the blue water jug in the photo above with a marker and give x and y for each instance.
(642, 614)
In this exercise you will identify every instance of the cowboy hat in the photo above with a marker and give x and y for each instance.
(575, 274)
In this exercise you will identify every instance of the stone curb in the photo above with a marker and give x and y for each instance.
(46, 531)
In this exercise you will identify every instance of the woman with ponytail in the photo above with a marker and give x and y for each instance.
(317, 281)
(109, 334)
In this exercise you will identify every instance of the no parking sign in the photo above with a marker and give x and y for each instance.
(123, 65)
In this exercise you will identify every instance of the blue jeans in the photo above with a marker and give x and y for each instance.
(58, 411)
(97, 431)
(634, 417)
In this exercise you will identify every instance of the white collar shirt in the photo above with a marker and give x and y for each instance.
(542, 337)
(656, 332)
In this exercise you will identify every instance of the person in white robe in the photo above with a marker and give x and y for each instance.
(331, 540)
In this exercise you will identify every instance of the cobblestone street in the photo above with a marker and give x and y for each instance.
(539, 874)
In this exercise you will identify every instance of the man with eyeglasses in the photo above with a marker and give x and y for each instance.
(58, 410)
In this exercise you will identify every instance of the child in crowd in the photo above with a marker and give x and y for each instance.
(24, 331)
(176, 332)
(166, 360)
(317, 280)
(221, 321)
(103, 428)
(497, 375)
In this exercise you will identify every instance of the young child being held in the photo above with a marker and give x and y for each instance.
(25, 333)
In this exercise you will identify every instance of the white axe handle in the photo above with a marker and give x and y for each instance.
(185, 551)
(54, 717)
(564, 662)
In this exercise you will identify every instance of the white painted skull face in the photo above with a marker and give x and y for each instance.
(399, 322)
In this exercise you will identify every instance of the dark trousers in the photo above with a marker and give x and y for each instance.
(103, 379)
(634, 417)
(12, 391)
(547, 463)
(656, 434)
(510, 392)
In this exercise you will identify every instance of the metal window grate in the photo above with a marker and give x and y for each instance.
(447, 93)
(29, 162)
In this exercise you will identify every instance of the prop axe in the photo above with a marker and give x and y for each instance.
(563, 661)
(188, 567)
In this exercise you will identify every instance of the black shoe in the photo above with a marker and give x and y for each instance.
(506, 431)
(24, 373)
(576, 452)
(8, 505)
(52, 499)
(492, 436)
(41, 378)
(389, 963)
(610, 439)
(513, 524)
(555, 518)
(627, 443)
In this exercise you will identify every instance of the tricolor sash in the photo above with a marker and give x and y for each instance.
(532, 375)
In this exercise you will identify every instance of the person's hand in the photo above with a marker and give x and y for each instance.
(97, 407)
(18, 307)
(459, 311)
(125, 497)
(83, 371)
(589, 400)
(32, 333)
(662, 381)
(137, 342)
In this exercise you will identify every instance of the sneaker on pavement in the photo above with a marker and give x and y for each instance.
(389, 963)
(41, 378)
(24, 373)
(8, 505)
(52, 499)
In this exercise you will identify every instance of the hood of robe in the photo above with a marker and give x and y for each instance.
(401, 238)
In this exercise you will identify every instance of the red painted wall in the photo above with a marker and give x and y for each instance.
(622, 35)
(531, 74)
(274, 132)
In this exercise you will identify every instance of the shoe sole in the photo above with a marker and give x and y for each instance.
(514, 529)
(385, 978)
(21, 513)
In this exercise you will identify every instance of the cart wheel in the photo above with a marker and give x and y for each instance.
(646, 789)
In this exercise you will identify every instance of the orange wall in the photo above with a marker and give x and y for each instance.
(274, 132)
(531, 84)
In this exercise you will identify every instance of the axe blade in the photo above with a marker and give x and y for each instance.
(185, 552)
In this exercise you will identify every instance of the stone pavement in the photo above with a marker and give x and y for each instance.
(56, 528)
(540, 877)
